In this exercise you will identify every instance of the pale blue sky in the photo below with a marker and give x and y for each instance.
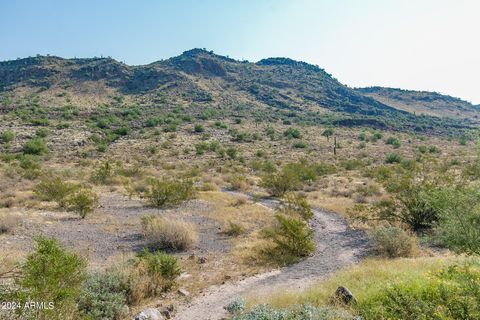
(422, 44)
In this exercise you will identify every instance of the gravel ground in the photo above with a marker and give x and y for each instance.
(337, 246)
(113, 229)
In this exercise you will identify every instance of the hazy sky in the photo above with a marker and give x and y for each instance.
(424, 44)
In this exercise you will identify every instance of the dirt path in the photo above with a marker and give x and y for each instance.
(336, 246)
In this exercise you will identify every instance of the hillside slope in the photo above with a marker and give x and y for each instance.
(424, 102)
(273, 88)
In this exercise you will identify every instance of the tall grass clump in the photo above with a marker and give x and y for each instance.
(393, 242)
(162, 233)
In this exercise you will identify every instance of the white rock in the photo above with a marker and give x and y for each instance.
(149, 314)
(183, 292)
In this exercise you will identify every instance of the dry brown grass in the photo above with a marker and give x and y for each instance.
(162, 233)
(393, 242)
(8, 221)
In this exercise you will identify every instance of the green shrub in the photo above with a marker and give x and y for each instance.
(152, 122)
(393, 158)
(393, 141)
(433, 149)
(7, 136)
(458, 227)
(232, 152)
(368, 190)
(292, 133)
(42, 132)
(393, 242)
(300, 145)
(328, 133)
(55, 189)
(422, 149)
(121, 131)
(292, 176)
(279, 183)
(352, 164)
(292, 237)
(168, 193)
(198, 128)
(295, 205)
(35, 146)
(161, 266)
(376, 136)
(411, 201)
(51, 274)
(103, 297)
(31, 166)
(83, 202)
(103, 174)
(452, 293)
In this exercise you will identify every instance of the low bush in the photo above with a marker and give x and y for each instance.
(352, 164)
(83, 201)
(458, 226)
(293, 175)
(292, 238)
(35, 146)
(393, 158)
(42, 132)
(168, 193)
(238, 182)
(198, 128)
(162, 268)
(55, 189)
(31, 166)
(161, 233)
(393, 242)
(7, 136)
(368, 190)
(292, 133)
(452, 293)
(393, 141)
(279, 183)
(300, 145)
(232, 152)
(103, 174)
(103, 297)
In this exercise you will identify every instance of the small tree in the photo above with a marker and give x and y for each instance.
(327, 133)
(83, 202)
(295, 204)
(166, 193)
(280, 183)
(55, 189)
(51, 274)
(292, 237)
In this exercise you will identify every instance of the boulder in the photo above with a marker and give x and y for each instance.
(344, 295)
(149, 314)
